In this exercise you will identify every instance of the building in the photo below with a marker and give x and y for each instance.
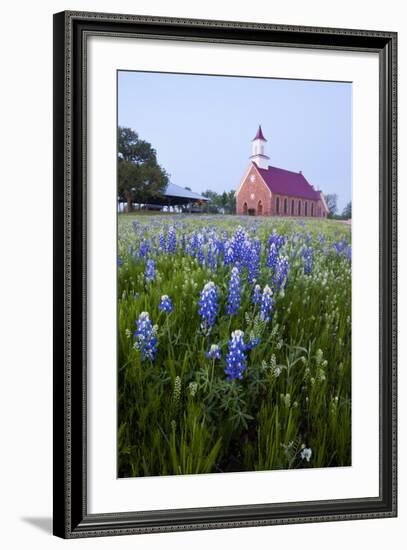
(174, 198)
(269, 191)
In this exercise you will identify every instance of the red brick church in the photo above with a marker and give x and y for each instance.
(269, 191)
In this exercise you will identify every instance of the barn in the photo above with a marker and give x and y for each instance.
(269, 191)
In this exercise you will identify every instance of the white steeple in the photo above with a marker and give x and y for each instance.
(258, 156)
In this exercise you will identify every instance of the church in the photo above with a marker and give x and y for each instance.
(269, 191)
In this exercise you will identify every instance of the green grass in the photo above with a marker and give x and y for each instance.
(179, 414)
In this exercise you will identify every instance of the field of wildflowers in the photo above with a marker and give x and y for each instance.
(234, 344)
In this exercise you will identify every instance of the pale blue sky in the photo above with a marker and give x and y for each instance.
(202, 126)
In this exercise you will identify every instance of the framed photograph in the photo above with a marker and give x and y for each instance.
(224, 274)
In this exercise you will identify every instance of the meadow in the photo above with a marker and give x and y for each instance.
(234, 344)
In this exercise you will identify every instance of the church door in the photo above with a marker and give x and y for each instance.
(260, 209)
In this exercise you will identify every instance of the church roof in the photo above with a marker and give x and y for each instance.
(289, 183)
(259, 134)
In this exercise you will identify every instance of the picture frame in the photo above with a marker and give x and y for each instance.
(71, 516)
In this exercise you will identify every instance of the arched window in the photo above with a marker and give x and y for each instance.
(285, 205)
(306, 209)
(245, 208)
(260, 209)
(299, 208)
(312, 209)
(278, 205)
(292, 207)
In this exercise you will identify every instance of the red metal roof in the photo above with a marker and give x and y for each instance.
(289, 183)
(259, 134)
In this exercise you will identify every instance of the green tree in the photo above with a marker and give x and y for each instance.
(332, 204)
(347, 211)
(139, 176)
(231, 204)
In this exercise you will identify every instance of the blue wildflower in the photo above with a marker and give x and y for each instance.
(214, 352)
(171, 240)
(119, 261)
(253, 342)
(144, 249)
(161, 241)
(272, 256)
(349, 253)
(280, 272)
(228, 255)
(236, 357)
(150, 271)
(166, 304)
(307, 255)
(145, 337)
(253, 261)
(208, 306)
(277, 240)
(267, 302)
(233, 303)
(340, 247)
(256, 298)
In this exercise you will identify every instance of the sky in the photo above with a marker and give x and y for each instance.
(202, 127)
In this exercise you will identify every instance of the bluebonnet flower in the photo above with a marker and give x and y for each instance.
(150, 270)
(256, 298)
(267, 302)
(200, 253)
(208, 306)
(214, 352)
(166, 304)
(238, 241)
(272, 256)
(277, 240)
(234, 292)
(340, 247)
(253, 342)
(145, 337)
(280, 272)
(307, 255)
(171, 240)
(228, 257)
(144, 249)
(349, 253)
(236, 357)
(161, 241)
(253, 261)
(119, 261)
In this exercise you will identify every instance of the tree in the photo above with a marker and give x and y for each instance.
(139, 176)
(347, 211)
(231, 204)
(332, 204)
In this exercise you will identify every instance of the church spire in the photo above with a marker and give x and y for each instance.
(258, 155)
(259, 134)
